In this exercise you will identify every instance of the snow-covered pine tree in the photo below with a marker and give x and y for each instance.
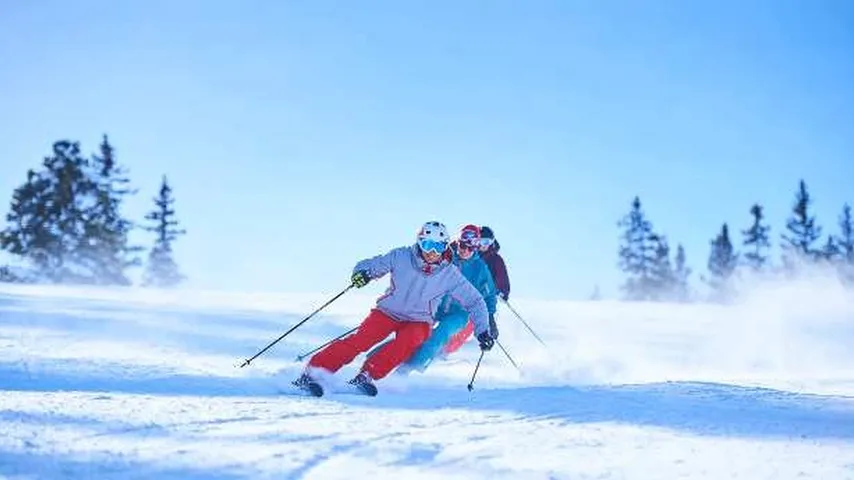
(106, 249)
(681, 291)
(798, 246)
(722, 263)
(845, 245)
(161, 269)
(637, 253)
(46, 220)
(756, 239)
(663, 278)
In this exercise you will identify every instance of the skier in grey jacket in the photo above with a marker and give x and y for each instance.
(421, 275)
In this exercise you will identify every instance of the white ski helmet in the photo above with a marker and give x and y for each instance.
(433, 236)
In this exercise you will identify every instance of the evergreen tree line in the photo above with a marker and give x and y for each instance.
(65, 224)
(652, 275)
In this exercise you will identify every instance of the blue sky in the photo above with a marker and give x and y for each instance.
(301, 137)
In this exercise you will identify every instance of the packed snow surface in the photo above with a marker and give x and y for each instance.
(132, 383)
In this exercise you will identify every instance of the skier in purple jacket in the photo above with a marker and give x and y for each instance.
(489, 248)
(421, 276)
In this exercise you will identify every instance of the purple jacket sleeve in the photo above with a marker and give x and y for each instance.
(499, 273)
(377, 266)
(472, 301)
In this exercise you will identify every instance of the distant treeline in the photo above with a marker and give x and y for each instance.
(652, 275)
(66, 225)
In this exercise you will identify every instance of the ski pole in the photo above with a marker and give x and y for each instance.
(522, 320)
(471, 383)
(508, 356)
(306, 354)
(245, 363)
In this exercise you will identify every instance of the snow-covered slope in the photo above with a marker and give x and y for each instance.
(116, 383)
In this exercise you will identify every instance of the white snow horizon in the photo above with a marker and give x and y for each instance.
(143, 383)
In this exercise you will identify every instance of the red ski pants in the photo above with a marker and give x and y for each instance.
(374, 329)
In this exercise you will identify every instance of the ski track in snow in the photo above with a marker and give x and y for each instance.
(125, 384)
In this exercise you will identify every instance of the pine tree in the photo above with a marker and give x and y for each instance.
(846, 235)
(845, 245)
(6, 275)
(757, 237)
(830, 251)
(637, 253)
(663, 278)
(681, 272)
(47, 216)
(106, 249)
(28, 233)
(803, 229)
(161, 269)
(722, 264)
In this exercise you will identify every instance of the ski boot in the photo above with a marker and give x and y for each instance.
(364, 384)
(309, 384)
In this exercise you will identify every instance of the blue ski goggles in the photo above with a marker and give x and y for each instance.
(428, 245)
(469, 239)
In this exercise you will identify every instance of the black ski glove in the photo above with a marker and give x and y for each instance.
(360, 278)
(493, 327)
(485, 340)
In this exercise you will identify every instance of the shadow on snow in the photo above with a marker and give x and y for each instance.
(699, 408)
(25, 464)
